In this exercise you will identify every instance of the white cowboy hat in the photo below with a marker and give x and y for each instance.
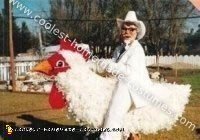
(131, 17)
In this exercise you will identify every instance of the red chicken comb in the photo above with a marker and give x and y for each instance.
(72, 46)
(67, 45)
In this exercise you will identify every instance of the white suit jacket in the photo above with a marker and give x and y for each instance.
(132, 65)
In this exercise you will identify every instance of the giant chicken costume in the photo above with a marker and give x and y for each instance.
(88, 94)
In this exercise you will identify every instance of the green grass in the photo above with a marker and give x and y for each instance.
(194, 80)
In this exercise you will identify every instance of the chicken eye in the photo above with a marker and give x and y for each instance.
(60, 63)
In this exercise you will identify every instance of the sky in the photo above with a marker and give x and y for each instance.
(39, 7)
(42, 7)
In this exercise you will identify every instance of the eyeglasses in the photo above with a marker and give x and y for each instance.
(128, 29)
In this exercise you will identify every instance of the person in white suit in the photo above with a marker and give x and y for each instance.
(129, 60)
(138, 104)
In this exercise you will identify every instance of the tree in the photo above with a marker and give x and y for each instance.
(1, 34)
(94, 20)
(193, 41)
(161, 21)
(90, 21)
(23, 39)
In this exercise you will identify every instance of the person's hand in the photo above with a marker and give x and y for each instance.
(111, 66)
(103, 63)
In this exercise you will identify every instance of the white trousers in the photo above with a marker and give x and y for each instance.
(118, 108)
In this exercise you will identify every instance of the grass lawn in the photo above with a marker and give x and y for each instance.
(33, 110)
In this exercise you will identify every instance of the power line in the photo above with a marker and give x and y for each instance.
(56, 19)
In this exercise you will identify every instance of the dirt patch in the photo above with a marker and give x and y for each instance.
(172, 79)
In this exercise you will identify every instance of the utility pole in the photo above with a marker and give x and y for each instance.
(3, 18)
(40, 43)
(12, 63)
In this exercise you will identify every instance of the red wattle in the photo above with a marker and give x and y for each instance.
(56, 99)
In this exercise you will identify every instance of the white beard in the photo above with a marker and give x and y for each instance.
(128, 41)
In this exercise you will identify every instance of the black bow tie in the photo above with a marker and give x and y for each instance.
(121, 52)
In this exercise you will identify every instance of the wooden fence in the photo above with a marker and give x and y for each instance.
(167, 60)
(24, 64)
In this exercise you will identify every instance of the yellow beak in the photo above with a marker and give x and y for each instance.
(44, 67)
